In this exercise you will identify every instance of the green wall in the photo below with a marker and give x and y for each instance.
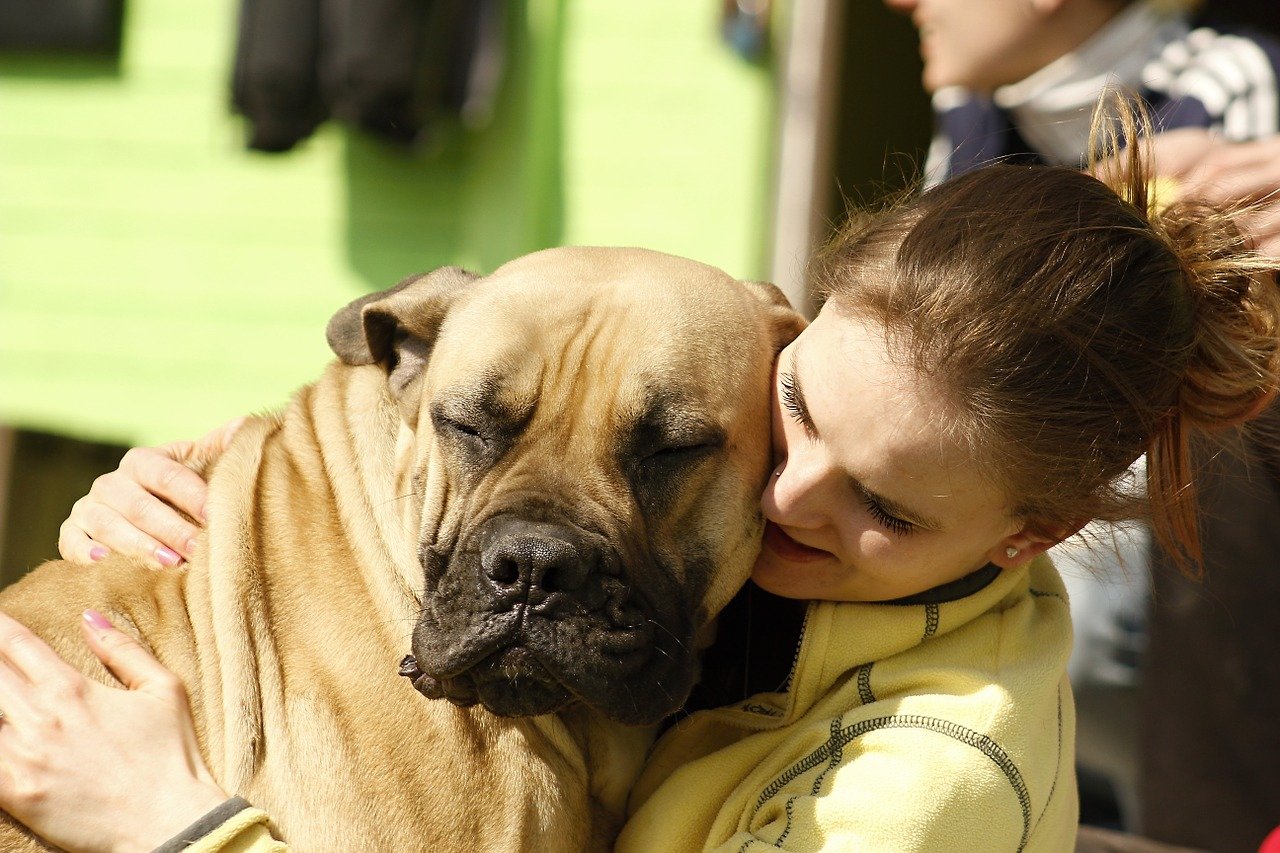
(157, 279)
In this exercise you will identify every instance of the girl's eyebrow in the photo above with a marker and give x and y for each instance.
(889, 505)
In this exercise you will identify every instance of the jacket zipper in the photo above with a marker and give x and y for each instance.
(795, 658)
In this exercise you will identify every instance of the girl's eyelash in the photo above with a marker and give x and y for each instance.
(789, 398)
(890, 522)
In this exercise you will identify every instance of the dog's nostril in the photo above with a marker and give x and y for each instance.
(539, 563)
(504, 571)
(563, 576)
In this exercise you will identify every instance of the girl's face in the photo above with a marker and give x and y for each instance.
(870, 500)
(977, 44)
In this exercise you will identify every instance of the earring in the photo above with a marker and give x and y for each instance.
(1011, 552)
(778, 473)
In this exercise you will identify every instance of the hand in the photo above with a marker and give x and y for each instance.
(134, 510)
(94, 768)
(1208, 167)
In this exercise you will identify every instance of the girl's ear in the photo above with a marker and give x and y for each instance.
(1017, 549)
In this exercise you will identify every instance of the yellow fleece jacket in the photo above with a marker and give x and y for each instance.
(904, 727)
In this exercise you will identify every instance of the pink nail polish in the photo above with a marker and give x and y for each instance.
(97, 620)
(97, 553)
(167, 557)
(192, 546)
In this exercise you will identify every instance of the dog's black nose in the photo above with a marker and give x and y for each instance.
(536, 556)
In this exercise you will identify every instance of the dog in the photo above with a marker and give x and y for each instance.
(543, 484)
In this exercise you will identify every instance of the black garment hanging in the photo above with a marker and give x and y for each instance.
(389, 67)
(274, 83)
(79, 26)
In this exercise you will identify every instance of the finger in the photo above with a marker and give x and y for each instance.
(151, 516)
(128, 661)
(75, 545)
(109, 528)
(30, 656)
(1244, 184)
(161, 472)
(15, 697)
(1176, 152)
(1263, 228)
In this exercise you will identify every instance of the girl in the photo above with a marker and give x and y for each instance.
(1016, 80)
(990, 359)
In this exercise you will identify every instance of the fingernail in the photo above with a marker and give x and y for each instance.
(97, 553)
(204, 513)
(97, 620)
(167, 557)
(192, 546)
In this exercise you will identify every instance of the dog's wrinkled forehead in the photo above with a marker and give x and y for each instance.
(627, 319)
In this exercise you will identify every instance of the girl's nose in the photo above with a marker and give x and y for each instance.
(793, 496)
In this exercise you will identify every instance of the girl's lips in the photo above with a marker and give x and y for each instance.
(777, 541)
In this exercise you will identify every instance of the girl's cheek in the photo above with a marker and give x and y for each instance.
(872, 543)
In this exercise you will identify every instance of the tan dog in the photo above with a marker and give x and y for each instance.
(547, 478)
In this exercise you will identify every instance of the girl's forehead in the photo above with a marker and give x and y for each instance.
(880, 422)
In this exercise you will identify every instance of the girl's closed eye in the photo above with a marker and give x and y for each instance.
(892, 523)
(793, 401)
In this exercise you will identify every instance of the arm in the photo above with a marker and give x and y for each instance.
(94, 768)
(138, 508)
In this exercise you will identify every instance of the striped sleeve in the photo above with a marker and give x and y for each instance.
(1223, 81)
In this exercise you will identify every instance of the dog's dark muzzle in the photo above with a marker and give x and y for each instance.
(545, 565)
(528, 615)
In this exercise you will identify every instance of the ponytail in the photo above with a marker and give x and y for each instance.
(1231, 367)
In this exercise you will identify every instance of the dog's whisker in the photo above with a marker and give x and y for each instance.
(412, 494)
(667, 631)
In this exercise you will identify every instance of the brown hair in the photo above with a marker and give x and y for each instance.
(1072, 327)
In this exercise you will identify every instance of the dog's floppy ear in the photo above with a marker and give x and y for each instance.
(396, 328)
(785, 321)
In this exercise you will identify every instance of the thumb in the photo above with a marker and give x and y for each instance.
(124, 656)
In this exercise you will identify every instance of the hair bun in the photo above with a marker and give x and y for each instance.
(1233, 364)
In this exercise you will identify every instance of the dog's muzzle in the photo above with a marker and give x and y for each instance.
(532, 615)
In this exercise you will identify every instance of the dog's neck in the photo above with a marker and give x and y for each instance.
(324, 467)
(355, 428)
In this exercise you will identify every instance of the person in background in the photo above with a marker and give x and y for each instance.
(1017, 81)
(990, 359)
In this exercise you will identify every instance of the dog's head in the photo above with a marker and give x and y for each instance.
(585, 435)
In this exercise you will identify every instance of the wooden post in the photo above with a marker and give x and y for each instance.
(806, 138)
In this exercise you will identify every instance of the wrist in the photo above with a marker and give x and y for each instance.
(173, 813)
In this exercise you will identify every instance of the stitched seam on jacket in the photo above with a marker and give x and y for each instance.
(930, 620)
(864, 684)
(837, 753)
(1057, 767)
(978, 741)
